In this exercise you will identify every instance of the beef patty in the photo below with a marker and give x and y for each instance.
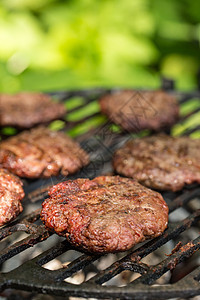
(160, 161)
(106, 214)
(135, 111)
(40, 152)
(11, 194)
(28, 109)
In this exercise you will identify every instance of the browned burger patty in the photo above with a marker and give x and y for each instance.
(11, 194)
(106, 214)
(41, 152)
(161, 162)
(28, 109)
(135, 111)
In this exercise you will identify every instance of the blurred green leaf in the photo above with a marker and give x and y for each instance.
(74, 102)
(189, 106)
(90, 124)
(176, 30)
(21, 4)
(195, 135)
(57, 125)
(83, 112)
(190, 123)
(9, 130)
(193, 9)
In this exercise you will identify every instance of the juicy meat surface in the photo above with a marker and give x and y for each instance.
(106, 214)
(11, 194)
(28, 109)
(135, 111)
(40, 152)
(160, 161)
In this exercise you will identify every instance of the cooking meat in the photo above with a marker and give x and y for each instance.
(28, 109)
(135, 111)
(11, 194)
(40, 152)
(161, 162)
(106, 214)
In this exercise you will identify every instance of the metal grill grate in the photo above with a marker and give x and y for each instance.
(100, 138)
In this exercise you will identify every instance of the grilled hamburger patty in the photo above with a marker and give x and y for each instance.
(28, 109)
(41, 152)
(106, 214)
(160, 161)
(11, 194)
(135, 111)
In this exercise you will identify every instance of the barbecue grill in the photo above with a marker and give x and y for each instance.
(182, 239)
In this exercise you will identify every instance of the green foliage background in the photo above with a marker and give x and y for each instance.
(59, 44)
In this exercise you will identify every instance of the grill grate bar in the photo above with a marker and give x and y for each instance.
(24, 224)
(183, 199)
(78, 264)
(169, 263)
(24, 244)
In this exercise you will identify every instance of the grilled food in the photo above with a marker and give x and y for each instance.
(40, 152)
(106, 214)
(135, 111)
(161, 161)
(11, 194)
(28, 109)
